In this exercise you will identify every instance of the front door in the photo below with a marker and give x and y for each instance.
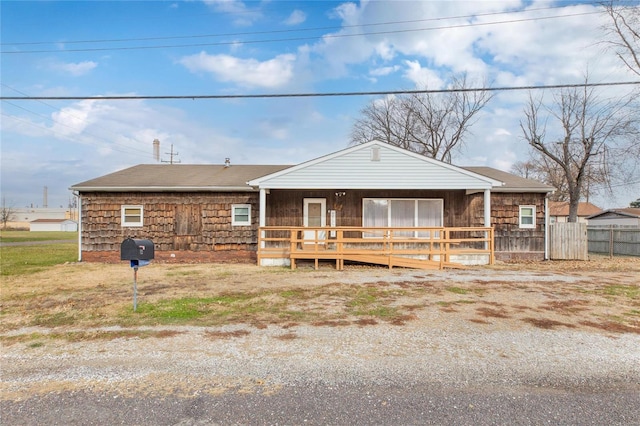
(315, 215)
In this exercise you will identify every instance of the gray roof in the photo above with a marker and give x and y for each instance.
(622, 212)
(512, 183)
(179, 177)
(208, 177)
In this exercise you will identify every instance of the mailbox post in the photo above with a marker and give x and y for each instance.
(138, 253)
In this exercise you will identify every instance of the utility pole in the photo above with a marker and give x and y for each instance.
(171, 155)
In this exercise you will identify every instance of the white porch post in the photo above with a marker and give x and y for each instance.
(487, 214)
(263, 212)
(263, 207)
(487, 208)
(79, 227)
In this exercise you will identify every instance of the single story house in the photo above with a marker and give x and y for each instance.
(374, 194)
(559, 211)
(65, 225)
(623, 217)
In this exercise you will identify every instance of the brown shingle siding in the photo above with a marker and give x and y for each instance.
(205, 221)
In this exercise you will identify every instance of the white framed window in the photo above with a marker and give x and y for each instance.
(405, 213)
(241, 215)
(132, 215)
(527, 217)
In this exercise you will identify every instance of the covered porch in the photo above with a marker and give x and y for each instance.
(375, 203)
(420, 248)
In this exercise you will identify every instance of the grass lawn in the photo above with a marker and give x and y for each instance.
(28, 259)
(26, 236)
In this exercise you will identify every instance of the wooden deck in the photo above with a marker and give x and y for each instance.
(419, 248)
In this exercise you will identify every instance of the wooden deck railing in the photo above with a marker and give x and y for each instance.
(434, 247)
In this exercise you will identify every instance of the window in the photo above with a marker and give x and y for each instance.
(131, 215)
(241, 215)
(527, 216)
(405, 213)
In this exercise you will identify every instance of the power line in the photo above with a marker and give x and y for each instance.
(318, 94)
(68, 114)
(327, 36)
(413, 21)
(57, 132)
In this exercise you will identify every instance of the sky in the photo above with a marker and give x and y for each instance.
(194, 48)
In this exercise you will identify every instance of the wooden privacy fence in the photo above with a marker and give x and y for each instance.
(424, 248)
(568, 241)
(614, 241)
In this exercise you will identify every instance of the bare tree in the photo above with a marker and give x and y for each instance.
(431, 124)
(6, 213)
(624, 33)
(545, 170)
(587, 134)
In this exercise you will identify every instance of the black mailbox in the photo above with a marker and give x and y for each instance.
(134, 249)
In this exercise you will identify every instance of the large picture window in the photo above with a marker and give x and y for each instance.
(402, 213)
(131, 215)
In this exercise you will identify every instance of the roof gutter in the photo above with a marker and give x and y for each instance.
(162, 189)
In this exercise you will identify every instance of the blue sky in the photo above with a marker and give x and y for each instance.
(101, 48)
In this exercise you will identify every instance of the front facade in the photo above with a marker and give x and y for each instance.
(216, 213)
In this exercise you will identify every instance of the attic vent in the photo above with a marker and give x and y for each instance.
(375, 153)
(227, 162)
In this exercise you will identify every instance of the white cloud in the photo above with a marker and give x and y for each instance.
(502, 132)
(271, 73)
(382, 71)
(76, 69)
(237, 10)
(297, 17)
(73, 120)
(422, 77)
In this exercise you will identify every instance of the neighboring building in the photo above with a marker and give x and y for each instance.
(624, 217)
(215, 212)
(65, 225)
(22, 217)
(559, 211)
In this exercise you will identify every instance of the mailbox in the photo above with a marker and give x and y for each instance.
(134, 249)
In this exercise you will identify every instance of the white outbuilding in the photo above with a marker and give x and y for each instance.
(65, 225)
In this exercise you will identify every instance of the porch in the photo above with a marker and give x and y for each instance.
(420, 248)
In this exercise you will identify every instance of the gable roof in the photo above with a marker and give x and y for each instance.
(623, 212)
(375, 165)
(561, 208)
(178, 177)
(351, 168)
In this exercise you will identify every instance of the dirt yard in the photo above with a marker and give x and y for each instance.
(72, 301)
(239, 329)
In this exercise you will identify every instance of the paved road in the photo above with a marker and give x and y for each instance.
(342, 405)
